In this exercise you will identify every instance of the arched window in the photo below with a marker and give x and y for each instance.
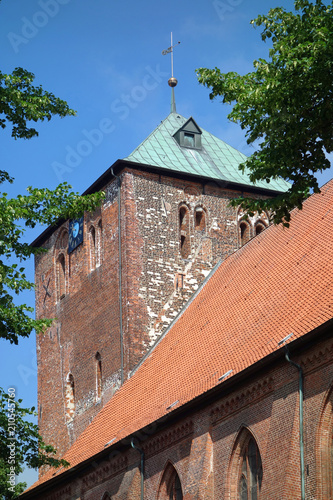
(99, 244)
(92, 248)
(325, 450)
(246, 468)
(98, 376)
(170, 487)
(64, 240)
(61, 276)
(260, 226)
(184, 231)
(244, 233)
(200, 219)
(251, 472)
(70, 397)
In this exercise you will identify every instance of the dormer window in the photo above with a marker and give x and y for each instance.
(189, 140)
(189, 135)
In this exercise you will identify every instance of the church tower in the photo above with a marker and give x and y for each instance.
(115, 279)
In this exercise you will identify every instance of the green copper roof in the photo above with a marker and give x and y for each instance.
(215, 160)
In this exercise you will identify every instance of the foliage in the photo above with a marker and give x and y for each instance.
(20, 104)
(285, 103)
(20, 443)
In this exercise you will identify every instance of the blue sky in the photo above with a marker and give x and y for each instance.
(105, 58)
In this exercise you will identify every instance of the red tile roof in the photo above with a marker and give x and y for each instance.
(280, 282)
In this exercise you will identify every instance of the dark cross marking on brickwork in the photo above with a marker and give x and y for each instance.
(46, 288)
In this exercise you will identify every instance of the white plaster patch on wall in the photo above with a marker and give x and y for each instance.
(151, 313)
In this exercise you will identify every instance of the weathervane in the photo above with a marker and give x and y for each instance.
(172, 81)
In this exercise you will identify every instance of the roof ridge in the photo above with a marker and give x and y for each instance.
(154, 131)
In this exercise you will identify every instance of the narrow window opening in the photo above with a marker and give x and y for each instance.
(182, 244)
(61, 273)
(99, 244)
(244, 230)
(200, 219)
(70, 397)
(92, 237)
(184, 229)
(179, 281)
(98, 376)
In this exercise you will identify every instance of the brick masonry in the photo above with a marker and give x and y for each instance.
(162, 265)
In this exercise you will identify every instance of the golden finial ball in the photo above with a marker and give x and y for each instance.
(172, 81)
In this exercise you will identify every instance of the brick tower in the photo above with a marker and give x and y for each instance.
(116, 279)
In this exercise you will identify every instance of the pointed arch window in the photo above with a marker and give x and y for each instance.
(70, 397)
(61, 276)
(98, 376)
(184, 231)
(246, 468)
(251, 472)
(170, 487)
